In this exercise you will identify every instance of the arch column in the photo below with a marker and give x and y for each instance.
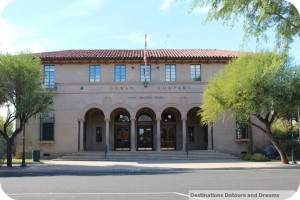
(183, 133)
(107, 132)
(132, 135)
(81, 145)
(158, 134)
(210, 136)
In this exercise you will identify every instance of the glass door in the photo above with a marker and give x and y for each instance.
(168, 138)
(145, 139)
(122, 139)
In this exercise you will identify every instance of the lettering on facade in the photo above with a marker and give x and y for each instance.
(161, 88)
(121, 88)
(174, 88)
(146, 97)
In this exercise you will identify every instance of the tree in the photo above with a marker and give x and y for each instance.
(20, 85)
(257, 88)
(260, 16)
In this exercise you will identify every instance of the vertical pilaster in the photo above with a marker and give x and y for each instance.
(158, 138)
(132, 135)
(183, 133)
(81, 139)
(210, 136)
(107, 133)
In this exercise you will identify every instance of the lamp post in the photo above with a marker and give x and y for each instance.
(293, 161)
(23, 152)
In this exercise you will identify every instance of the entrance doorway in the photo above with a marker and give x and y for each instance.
(144, 133)
(168, 132)
(122, 133)
(93, 134)
(168, 138)
(145, 139)
(122, 139)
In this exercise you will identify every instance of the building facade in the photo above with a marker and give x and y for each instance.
(110, 99)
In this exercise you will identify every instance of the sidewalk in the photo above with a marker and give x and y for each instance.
(155, 166)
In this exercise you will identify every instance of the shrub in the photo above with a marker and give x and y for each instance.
(255, 157)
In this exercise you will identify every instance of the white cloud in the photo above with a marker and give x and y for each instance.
(4, 3)
(9, 34)
(166, 5)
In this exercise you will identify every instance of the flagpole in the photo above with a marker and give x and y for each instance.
(145, 60)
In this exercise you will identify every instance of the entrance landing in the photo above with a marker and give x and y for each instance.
(148, 155)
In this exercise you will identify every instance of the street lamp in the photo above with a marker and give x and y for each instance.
(23, 152)
(293, 161)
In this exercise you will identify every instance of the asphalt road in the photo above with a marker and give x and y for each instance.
(172, 185)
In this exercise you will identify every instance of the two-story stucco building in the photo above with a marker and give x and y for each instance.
(109, 97)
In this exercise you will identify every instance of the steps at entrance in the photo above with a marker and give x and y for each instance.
(147, 155)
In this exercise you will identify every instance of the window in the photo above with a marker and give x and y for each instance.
(170, 73)
(49, 77)
(94, 73)
(144, 118)
(122, 118)
(195, 72)
(47, 128)
(120, 73)
(145, 73)
(242, 130)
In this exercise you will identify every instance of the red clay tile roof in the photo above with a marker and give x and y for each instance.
(152, 54)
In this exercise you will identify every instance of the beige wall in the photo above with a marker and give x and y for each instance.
(75, 96)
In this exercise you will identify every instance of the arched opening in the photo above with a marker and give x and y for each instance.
(197, 135)
(145, 129)
(121, 129)
(170, 129)
(144, 133)
(94, 129)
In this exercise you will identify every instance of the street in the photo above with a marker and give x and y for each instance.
(167, 185)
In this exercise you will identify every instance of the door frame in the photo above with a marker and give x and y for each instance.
(150, 148)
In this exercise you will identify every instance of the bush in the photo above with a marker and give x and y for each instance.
(255, 157)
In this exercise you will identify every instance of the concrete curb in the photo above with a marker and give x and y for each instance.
(67, 167)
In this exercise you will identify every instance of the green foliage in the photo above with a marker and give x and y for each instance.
(257, 87)
(260, 16)
(20, 86)
(255, 157)
(258, 84)
(282, 129)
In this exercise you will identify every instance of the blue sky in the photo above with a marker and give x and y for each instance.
(50, 25)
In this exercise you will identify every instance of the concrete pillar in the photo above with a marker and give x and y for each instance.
(132, 135)
(158, 138)
(210, 136)
(183, 133)
(107, 133)
(81, 139)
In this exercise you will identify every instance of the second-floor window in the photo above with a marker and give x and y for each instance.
(195, 72)
(49, 77)
(120, 73)
(145, 73)
(95, 73)
(170, 73)
(242, 130)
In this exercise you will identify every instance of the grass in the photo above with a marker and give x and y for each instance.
(19, 161)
